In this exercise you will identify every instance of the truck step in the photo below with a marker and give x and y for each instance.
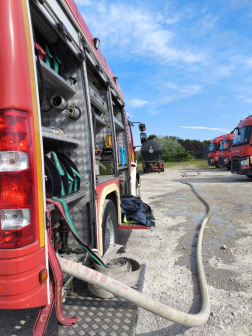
(98, 316)
(134, 226)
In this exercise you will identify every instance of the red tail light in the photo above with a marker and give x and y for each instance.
(16, 181)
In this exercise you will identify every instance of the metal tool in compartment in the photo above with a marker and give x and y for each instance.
(58, 102)
(52, 179)
(74, 112)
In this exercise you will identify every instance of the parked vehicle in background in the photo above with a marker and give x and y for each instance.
(224, 153)
(151, 152)
(213, 149)
(241, 151)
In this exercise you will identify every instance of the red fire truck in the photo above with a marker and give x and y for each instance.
(64, 132)
(241, 151)
(224, 153)
(213, 152)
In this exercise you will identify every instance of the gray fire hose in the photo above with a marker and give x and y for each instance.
(140, 299)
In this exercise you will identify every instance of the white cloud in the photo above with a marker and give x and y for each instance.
(235, 4)
(245, 99)
(130, 115)
(223, 71)
(207, 128)
(174, 93)
(248, 61)
(135, 32)
(205, 25)
(137, 103)
(204, 10)
(174, 19)
(83, 2)
(223, 117)
(187, 12)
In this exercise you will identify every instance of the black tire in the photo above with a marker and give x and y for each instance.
(137, 189)
(249, 176)
(109, 225)
(228, 168)
(217, 166)
(162, 169)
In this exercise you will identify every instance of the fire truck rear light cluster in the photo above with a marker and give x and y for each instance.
(15, 189)
(13, 161)
(13, 219)
(13, 133)
(16, 181)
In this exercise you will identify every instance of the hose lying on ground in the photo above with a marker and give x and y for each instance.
(140, 299)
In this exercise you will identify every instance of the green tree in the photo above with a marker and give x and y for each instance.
(152, 137)
(170, 145)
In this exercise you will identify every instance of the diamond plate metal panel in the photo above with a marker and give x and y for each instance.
(100, 317)
(80, 153)
(55, 82)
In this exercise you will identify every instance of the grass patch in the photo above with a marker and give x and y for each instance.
(197, 163)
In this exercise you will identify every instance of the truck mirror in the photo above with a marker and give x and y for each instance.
(143, 138)
(142, 127)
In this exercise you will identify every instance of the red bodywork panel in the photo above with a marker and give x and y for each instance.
(227, 153)
(19, 268)
(244, 150)
(215, 153)
(240, 151)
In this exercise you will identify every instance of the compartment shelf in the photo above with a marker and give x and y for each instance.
(55, 82)
(118, 125)
(105, 178)
(62, 138)
(122, 167)
(100, 120)
(69, 198)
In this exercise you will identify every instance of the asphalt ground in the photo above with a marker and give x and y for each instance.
(169, 251)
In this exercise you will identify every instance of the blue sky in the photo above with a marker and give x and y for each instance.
(185, 67)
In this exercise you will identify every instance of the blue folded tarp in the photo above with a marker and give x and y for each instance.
(136, 210)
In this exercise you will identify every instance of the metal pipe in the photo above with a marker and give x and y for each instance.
(58, 102)
(74, 112)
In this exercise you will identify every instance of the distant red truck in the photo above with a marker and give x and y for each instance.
(213, 149)
(241, 151)
(224, 153)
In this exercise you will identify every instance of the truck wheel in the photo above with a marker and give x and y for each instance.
(228, 168)
(137, 189)
(249, 176)
(109, 225)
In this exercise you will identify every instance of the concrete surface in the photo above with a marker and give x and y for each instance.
(168, 251)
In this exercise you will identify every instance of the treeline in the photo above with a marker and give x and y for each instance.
(177, 149)
(195, 146)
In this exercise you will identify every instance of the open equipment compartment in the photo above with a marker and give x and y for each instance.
(75, 142)
(102, 124)
(120, 124)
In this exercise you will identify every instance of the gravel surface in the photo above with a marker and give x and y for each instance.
(169, 251)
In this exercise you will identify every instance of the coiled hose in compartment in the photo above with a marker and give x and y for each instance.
(143, 301)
